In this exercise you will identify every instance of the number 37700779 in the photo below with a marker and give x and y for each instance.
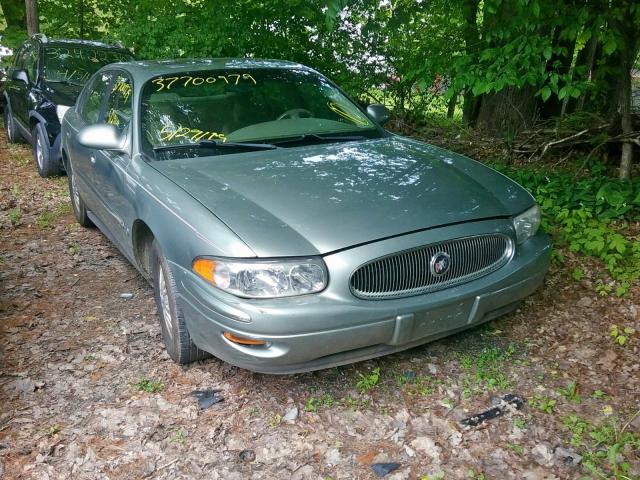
(167, 83)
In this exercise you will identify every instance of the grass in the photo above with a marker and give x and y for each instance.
(368, 382)
(149, 386)
(47, 218)
(606, 448)
(313, 404)
(486, 370)
(15, 215)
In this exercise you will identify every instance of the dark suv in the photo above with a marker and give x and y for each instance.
(42, 83)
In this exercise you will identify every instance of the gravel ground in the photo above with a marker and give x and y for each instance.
(87, 391)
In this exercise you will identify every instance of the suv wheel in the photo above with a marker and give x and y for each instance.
(176, 337)
(10, 126)
(47, 167)
(77, 204)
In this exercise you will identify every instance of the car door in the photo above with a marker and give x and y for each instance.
(90, 110)
(17, 90)
(113, 185)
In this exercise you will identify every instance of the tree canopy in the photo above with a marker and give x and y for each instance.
(505, 63)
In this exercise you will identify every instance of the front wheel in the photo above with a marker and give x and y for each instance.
(47, 166)
(176, 337)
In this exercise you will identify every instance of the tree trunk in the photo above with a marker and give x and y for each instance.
(33, 21)
(451, 107)
(471, 40)
(628, 53)
(509, 111)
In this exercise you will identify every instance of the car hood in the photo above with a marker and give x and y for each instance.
(322, 198)
(62, 94)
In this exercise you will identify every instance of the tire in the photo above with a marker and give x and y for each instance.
(47, 167)
(10, 125)
(77, 204)
(176, 337)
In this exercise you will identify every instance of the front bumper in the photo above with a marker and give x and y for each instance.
(334, 327)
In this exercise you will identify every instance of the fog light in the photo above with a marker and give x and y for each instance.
(242, 340)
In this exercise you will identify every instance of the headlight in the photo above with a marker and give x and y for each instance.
(526, 224)
(61, 110)
(263, 278)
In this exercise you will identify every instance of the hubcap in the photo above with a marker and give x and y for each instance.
(164, 303)
(75, 195)
(39, 152)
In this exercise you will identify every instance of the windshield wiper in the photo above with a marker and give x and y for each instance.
(65, 82)
(320, 138)
(218, 144)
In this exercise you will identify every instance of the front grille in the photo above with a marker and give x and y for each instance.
(410, 273)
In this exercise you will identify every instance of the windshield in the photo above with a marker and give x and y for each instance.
(77, 64)
(241, 105)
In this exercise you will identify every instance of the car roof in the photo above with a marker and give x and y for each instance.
(72, 42)
(146, 69)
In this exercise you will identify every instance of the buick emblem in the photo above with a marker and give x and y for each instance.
(440, 264)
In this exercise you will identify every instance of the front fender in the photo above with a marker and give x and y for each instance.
(183, 227)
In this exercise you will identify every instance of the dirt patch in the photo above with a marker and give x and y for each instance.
(87, 390)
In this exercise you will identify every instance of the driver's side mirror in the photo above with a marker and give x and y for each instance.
(379, 113)
(102, 136)
(20, 76)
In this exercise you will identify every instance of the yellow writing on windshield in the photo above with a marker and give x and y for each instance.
(167, 83)
(123, 88)
(344, 113)
(113, 118)
(194, 134)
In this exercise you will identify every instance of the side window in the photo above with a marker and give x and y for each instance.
(94, 98)
(18, 61)
(31, 63)
(119, 103)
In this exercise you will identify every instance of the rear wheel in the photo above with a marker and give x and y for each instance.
(77, 204)
(47, 166)
(10, 125)
(176, 337)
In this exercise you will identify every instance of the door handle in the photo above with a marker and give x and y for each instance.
(92, 159)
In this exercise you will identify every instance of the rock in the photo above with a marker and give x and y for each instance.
(126, 296)
(432, 368)
(247, 455)
(303, 473)
(291, 414)
(409, 451)
(333, 457)
(428, 446)
(567, 457)
(542, 455)
(384, 469)
(584, 302)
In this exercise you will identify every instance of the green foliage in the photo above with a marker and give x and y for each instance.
(589, 215)
(15, 215)
(621, 336)
(314, 404)
(149, 386)
(570, 392)
(544, 404)
(369, 381)
(606, 449)
(487, 369)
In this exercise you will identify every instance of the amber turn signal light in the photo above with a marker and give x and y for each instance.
(242, 340)
(205, 268)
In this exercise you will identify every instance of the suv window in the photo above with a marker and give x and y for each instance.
(31, 62)
(119, 103)
(76, 64)
(93, 99)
